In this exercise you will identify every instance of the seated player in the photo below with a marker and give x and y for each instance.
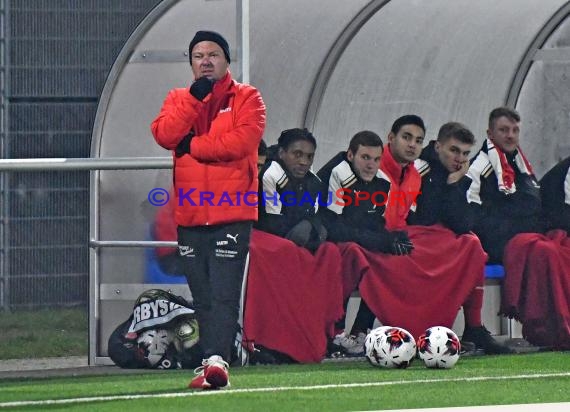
(509, 221)
(348, 174)
(413, 277)
(555, 194)
(289, 192)
(443, 165)
(294, 292)
(261, 155)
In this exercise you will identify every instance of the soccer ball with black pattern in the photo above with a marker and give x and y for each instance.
(439, 347)
(390, 347)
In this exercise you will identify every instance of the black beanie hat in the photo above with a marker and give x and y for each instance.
(210, 36)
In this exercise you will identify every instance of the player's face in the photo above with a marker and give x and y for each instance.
(453, 154)
(261, 162)
(406, 145)
(365, 161)
(298, 158)
(504, 133)
(208, 60)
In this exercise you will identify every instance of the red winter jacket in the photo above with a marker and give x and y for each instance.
(217, 182)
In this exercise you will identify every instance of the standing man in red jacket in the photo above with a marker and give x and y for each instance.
(214, 128)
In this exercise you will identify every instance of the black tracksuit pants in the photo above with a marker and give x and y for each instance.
(215, 259)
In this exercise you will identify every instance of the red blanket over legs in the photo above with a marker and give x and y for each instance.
(536, 289)
(423, 289)
(293, 298)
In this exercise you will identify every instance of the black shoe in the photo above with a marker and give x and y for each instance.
(482, 339)
(265, 356)
(469, 349)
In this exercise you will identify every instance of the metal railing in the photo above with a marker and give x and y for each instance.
(114, 163)
(74, 164)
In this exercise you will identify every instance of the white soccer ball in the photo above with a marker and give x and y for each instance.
(154, 342)
(439, 347)
(390, 347)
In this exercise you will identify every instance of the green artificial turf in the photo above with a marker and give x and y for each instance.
(485, 380)
(44, 333)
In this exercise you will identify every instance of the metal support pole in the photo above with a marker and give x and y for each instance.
(4, 152)
(242, 23)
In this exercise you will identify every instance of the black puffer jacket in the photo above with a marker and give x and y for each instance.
(440, 202)
(285, 201)
(555, 193)
(349, 219)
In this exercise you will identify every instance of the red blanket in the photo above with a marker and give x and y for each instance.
(293, 298)
(536, 288)
(423, 289)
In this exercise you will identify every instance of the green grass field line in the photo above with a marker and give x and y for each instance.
(488, 380)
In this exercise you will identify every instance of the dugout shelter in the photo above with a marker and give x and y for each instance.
(335, 67)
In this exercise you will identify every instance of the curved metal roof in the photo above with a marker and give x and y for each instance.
(441, 60)
(335, 69)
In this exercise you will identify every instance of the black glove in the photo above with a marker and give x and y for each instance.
(300, 233)
(318, 236)
(322, 232)
(184, 145)
(401, 243)
(201, 88)
(373, 241)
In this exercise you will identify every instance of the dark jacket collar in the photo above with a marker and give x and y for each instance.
(430, 155)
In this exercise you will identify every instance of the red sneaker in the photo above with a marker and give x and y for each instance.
(199, 382)
(213, 374)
